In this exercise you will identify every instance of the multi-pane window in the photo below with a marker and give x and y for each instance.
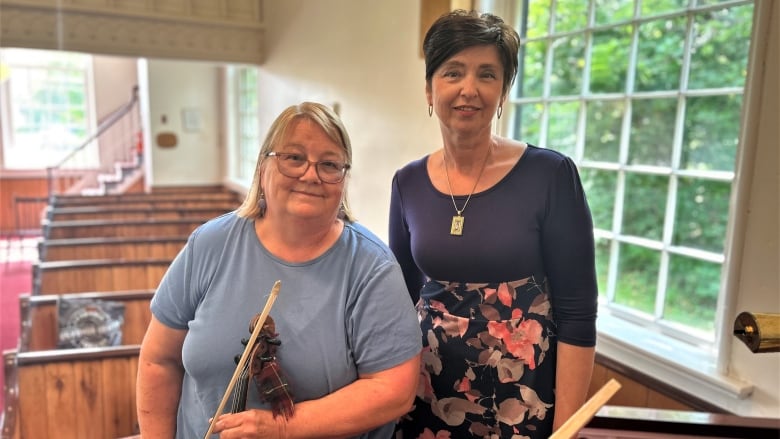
(46, 105)
(247, 119)
(646, 97)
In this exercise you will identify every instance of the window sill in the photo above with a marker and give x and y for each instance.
(678, 364)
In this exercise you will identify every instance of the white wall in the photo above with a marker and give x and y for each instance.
(363, 55)
(173, 87)
(114, 80)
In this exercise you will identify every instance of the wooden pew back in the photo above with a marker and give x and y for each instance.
(73, 393)
(136, 212)
(118, 227)
(123, 199)
(40, 322)
(97, 275)
(128, 248)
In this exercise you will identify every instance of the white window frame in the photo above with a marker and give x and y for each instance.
(242, 151)
(248, 146)
(88, 158)
(680, 362)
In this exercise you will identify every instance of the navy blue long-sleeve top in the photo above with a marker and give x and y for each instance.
(534, 220)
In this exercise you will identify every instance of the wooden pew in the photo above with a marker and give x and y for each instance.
(144, 204)
(90, 393)
(40, 323)
(97, 275)
(87, 200)
(116, 227)
(136, 212)
(134, 247)
(190, 189)
(71, 393)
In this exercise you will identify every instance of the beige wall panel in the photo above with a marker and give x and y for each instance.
(171, 29)
(172, 7)
(244, 9)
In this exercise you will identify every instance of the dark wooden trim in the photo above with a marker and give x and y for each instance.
(52, 265)
(659, 386)
(667, 423)
(84, 200)
(123, 222)
(11, 394)
(103, 208)
(46, 299)
(110, 240)
(48, 356)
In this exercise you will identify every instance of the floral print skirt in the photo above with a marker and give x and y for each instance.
(488, 362)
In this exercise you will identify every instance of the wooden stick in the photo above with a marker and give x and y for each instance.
(581, 417)
(260, 322)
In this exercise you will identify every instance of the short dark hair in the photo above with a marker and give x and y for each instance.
(460, 29)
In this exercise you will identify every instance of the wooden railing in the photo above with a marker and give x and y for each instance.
(118, 140)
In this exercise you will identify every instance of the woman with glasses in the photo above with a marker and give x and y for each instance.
(496, 242)
(347, 341)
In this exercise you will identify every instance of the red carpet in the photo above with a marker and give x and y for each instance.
(16, 257)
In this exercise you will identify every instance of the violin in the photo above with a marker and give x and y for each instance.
(264, 370)
(265, 366)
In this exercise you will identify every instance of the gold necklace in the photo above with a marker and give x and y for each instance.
(456, 228)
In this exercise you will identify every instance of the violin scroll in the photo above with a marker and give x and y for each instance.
(270, 382)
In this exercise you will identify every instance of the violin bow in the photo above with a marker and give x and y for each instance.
(245, 356)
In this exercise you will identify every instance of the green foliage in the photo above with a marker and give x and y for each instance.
(568, 55)
(638, 278)
(600, 188)
(645, 205)
(720, 48)
(692, 292)
(561, 124)
(602, 130)
(609, 63)
(700, 219)
(660, 54)
(708, 132)
(651, 138)
(711, 134)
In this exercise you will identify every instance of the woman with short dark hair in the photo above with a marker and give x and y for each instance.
(495, 239)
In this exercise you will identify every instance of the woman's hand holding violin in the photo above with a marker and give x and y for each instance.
(251, 424)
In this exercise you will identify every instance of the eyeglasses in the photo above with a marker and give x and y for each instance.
(295, 165)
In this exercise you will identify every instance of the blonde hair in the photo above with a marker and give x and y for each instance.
(321, 115)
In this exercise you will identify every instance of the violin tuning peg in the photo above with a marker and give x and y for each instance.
(244, 341)
(237, 358)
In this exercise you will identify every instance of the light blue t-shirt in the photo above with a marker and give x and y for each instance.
(341, 314)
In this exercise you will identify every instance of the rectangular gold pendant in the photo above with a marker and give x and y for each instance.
(457, 225)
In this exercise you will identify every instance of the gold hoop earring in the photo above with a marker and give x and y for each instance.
(500, 111)
(430, 110)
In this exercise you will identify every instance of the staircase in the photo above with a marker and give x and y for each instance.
(125, 175)
(118, 140)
